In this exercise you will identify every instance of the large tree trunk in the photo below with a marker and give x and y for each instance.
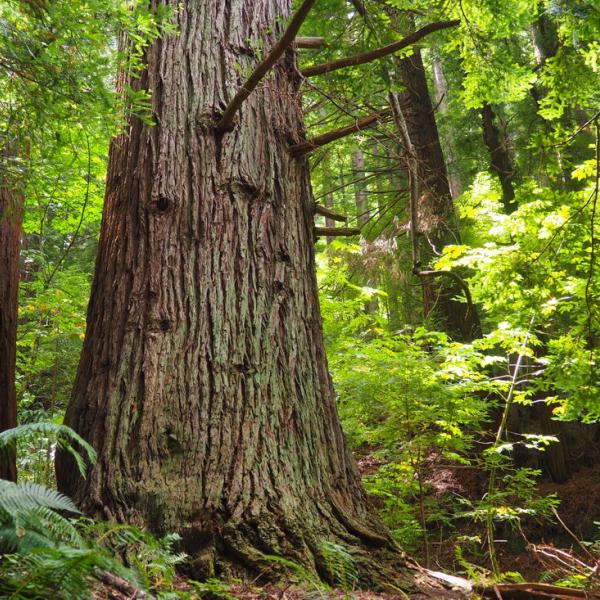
(438, 224)
(203, 382)
(11, 218)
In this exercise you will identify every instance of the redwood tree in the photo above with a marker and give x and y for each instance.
(11, 211)
(203, 382)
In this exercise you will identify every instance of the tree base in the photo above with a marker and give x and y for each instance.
(263, 552)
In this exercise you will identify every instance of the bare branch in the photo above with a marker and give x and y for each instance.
(121, 585)
(327, 212)
(336, 134)
(264, 67)
(337, 231)
(365, 57)
(310, 43)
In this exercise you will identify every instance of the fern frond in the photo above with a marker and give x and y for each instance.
(45, 521)
(60, 572)
(64, 436)
(340, 564)
(17, 496)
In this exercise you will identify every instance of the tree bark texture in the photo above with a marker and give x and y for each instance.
(203, 381)
(437, 221)
(11, 219)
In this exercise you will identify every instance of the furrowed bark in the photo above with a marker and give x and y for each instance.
(203, 381)
(265, 66)
(11, 219)
(365, 57)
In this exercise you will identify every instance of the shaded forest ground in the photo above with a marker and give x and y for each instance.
(579, 511)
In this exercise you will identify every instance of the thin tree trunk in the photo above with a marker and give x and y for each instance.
(203, 382)
(544, 38)
(11, 219)
(363, 216)
(441, 101)
(360, 189)
(500, 160)
(329, 222)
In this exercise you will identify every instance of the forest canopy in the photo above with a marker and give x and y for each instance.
(299, 298)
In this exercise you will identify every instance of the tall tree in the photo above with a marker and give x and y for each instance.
(437, 222)
(11, 219)
(203, 382)
(51, 78)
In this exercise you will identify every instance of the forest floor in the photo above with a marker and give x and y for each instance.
(530, 553)
(527, 551)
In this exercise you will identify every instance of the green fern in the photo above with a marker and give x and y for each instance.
(29, 517)
(340, 565)
(64, 436)
(154, 560)
(14, 497)
(61, 572)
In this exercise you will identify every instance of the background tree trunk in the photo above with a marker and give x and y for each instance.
(441, 101)
(203, 381)
(438, 224)
(500, 160)
(329, 222)
(360, 189)
(11, 219)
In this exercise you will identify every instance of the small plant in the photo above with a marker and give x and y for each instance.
(153, 560)
(214, 589)
(52, 435)
(340, 565)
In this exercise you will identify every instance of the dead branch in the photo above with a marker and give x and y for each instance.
(327, 212)
(336, 134)
(337, 231)
(121, 585)
(310, 43)
(365, 57)
(533, 591)
(264, 67)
